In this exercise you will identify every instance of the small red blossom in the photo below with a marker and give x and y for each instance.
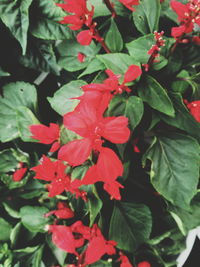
(124, 260)
(130, 3)
(106, 170)
(144, 264)
(155, 49)
(196, 40)
(81, 15)
(81, 57)
(88, 121)
(63, 211)
(112, 84)
(46, 135)
(188, 14)
(19, 173)
(54, 172)
(194, 108)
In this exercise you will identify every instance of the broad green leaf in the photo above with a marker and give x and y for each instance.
(36, 258)
(45, 24)
(155, 95)
(113, 38)
(131, 107)
(182, 119)
(174, 167)
(33, 218)
(32, 189)
(167, 11)
(62, 101)
(139, 48)
(5, 230)
(130, 225)
(15, 95)
(40, 56)
(59, 254)
(15, 15)
(25, 118)
(117, 62)
(92, 67)
(51, 30)
(69, 50)
(146, 16)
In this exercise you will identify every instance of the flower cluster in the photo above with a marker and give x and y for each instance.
(154, 50)
(188, 16)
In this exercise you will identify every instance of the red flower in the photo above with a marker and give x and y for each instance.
(85, 37)
(130, 3)
(107, 169)
(144, 264)
(82, 16)
(98, 246)
(19, 173)
(46, 135)
(54, 171)
(196, 40)
(188, 14)
(194, 108)
(63, 211)
(87, 121)
(62, 237)
(124, 260)
(112, 83)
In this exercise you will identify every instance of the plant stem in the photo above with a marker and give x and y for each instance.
(110, 7)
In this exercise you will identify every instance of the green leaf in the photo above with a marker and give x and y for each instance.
(15, 15)
(131, 107)
(51, 30)
(36, 258)
(182, 119)
(69, 50)
(174, 167)
(8, 161)
(113, 38)
(15, 95)
(15, 232)
(59, 254)
(130, 225)
(117, 62)
(155, 95)
(3, 73)
(94, 204)
(146, 16)
(11, 210)
(40, 56)
(66, 92)
(186, 219)
(92, 67)
(32, 189)
(101, 9)
(45, 23)
(139, 48)
(25, 118)
(5, 230)
(33, 218)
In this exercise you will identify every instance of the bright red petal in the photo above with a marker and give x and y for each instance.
(115, 129)
(19, 174)
(132, 73)
(109, 166)
(179, 8)
(113, 189)
(144, 264)
(45, 134)
(85, 37)
(63, 238)
(75, 152)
